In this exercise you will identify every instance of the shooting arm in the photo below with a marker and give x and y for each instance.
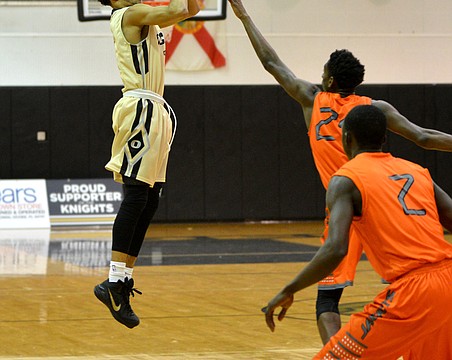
(163, 16)
(302, 91)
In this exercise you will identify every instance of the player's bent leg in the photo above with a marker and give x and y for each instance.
(327, 313)
(146, 216)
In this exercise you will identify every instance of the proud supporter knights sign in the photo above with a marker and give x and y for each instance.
(83, 201)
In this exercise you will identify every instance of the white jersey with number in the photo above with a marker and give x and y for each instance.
(142, 65)
(141, 118)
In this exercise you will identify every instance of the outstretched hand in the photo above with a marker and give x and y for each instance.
(284, 300)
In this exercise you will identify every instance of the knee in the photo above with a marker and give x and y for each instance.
(328, 301)
(134, 201)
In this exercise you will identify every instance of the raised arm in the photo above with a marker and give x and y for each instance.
(178, 10)
(301, 90)
(426, 138)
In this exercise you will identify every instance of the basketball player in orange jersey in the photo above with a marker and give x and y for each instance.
(323, 114)
(398, 214)
(143, 128)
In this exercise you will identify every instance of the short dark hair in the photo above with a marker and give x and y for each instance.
(346, 69)
(368, 125)
(105, 2)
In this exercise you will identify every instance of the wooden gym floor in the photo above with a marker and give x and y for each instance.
(203, 287)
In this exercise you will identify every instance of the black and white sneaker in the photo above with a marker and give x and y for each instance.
(116, 296)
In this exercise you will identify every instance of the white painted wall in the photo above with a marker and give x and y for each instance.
(399, 41)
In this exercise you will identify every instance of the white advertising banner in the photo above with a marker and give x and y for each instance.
(23, 204)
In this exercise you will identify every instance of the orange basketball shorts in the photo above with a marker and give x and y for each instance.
(410, 317)
(344, 274)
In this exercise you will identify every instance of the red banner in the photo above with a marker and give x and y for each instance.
(192, 46)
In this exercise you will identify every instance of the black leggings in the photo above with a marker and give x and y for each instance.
(134, 216)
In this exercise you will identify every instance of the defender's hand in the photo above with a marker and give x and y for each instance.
(284, 300)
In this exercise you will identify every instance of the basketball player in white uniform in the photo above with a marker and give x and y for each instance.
(144, 126)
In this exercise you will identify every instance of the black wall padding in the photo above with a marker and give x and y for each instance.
(301, 192)
(223, 190)
(415, 111)
(69, 133)
(101, 100)
(441, 100)
(260, 152)
(185, 178)
(240, 152)
(30, 113)
(5, 133)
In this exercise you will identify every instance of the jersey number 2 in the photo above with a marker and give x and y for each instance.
(332, 117)
(404, 192)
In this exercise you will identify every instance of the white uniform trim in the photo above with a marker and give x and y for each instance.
(150, 95)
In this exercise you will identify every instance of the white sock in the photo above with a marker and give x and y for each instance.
(128, 272)
(117, 271)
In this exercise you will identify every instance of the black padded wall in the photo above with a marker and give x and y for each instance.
(260, 152)
(441, 101)
(185, 176)
(5, 133)
(301, 192)
(415, 111)
(223, 191)
(101, 100)
(30, 113)
(240, 152)
(69, 139)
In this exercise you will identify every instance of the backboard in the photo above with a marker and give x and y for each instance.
(89, 10)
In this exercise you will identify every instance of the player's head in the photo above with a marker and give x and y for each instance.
(342, 72)
(364, 129)
(105, 2)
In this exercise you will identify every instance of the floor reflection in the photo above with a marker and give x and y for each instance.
(24, 252)
(28, 252)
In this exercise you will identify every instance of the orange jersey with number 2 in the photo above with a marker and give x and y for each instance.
(325, 131)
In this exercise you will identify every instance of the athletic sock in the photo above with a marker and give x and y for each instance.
(117, 271)
(128, 272)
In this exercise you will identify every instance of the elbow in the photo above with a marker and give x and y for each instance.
(336, 251)
(179, 12)
(193, 11)
(341, 252)
(268, 65)
(184, 13)
(427, 139)
(190, 11)
(423, 141)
